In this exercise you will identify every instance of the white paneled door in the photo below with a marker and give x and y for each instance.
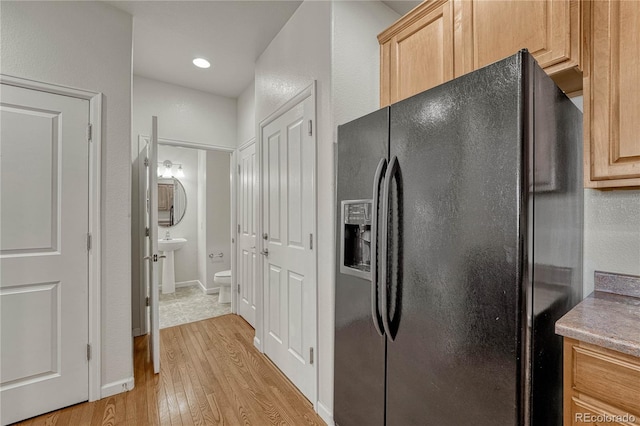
(247, 226)
(288, 214)
(44, 210)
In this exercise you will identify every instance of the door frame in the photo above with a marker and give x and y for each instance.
(95, 216)
(308, 91)
(140, 235)
(235, 220)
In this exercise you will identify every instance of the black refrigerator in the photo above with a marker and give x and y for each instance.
(458, 245)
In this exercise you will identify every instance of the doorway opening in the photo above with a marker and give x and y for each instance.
(193, 231)
(194, 222)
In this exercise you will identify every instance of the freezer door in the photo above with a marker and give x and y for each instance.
(359, 348)
(455, 244)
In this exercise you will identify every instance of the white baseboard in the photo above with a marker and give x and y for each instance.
(117, 387)
(256, 343)
(204, 289)
(188, 283)
(325, 414)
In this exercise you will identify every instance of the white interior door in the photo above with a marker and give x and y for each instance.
(247, 221)
(44, 210)
(288, 169)
(152, 254)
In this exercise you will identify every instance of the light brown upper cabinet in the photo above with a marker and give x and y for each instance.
(549, 29)
(443, 39)
(417, 51)
(612, 95)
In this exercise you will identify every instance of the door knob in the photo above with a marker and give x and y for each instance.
(155, 257)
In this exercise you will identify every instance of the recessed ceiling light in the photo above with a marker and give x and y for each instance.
(201, 63)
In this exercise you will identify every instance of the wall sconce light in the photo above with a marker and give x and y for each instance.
(167, 172)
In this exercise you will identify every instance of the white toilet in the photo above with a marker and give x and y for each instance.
(223, 280)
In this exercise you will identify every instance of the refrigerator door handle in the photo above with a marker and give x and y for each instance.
(391, 171)
(375, 314)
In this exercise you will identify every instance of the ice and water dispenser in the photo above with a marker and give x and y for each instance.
(355, 245)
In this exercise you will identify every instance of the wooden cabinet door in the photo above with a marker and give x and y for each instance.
(549, 29)
(600, 386)
(417, 52)
(612, 96)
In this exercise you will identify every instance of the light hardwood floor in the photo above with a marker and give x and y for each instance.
(211, 374)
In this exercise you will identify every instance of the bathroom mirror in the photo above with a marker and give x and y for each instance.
(172, 202)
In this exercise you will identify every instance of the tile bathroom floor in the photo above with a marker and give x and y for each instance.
(189, 304)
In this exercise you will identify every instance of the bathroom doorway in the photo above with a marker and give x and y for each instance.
(194, 232)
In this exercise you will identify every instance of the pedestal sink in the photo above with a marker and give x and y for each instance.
(168, 246)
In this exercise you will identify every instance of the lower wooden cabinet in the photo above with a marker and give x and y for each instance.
(601, 386)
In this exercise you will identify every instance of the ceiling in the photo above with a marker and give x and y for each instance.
(231, 35)
(401, 6)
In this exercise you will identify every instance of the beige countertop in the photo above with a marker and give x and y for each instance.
(609, 317)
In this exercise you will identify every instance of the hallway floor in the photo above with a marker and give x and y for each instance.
(211, 374)
(189, 304)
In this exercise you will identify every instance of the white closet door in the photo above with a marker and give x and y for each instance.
(44, 210)
(288, 215)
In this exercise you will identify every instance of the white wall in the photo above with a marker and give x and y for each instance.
(246, 114)
(355, 59)
(186, 266)
(611, 231)
(333, 43)
(218, 205)
(183, 114)
(87, 45)
(299, 54)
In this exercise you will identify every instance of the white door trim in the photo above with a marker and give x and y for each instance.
(309, 91)
(246, 144)
(95, 219)
(234, 182)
